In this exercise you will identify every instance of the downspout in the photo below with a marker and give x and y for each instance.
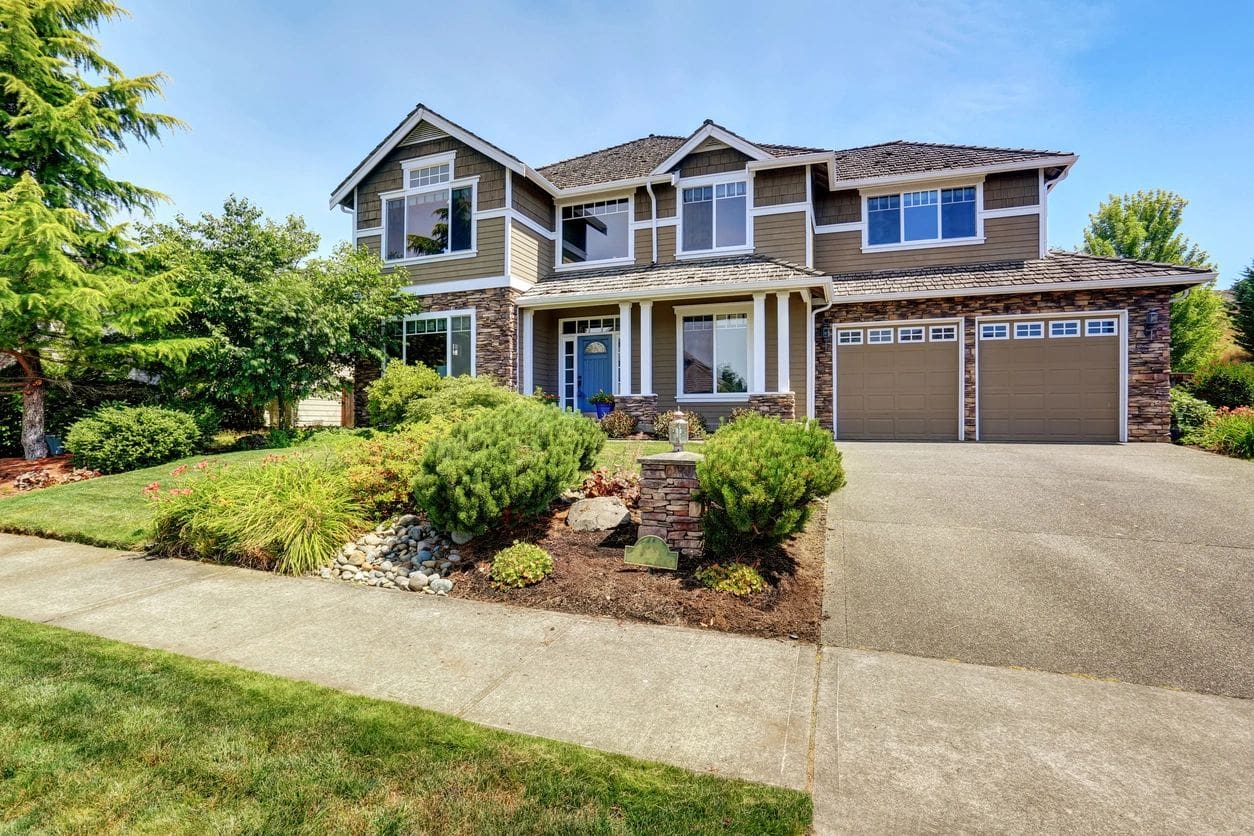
(648, 187)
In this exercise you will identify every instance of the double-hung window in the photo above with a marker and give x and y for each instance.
(922, 216)
(596, 231)
(715, 353)
(442, 341)
(715, 217)
(433, 214)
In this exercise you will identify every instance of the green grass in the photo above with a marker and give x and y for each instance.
(622, 455)
(99, 736)
(108, 511)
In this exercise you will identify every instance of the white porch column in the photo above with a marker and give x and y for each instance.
(759, 343)
(528, 351)
(783, 377)
(646, 348)
(624, 342)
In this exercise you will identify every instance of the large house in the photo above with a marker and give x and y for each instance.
(895, 291)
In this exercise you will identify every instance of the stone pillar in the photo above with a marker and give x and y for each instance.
(641, 407)
(668, 505)
(782, 405)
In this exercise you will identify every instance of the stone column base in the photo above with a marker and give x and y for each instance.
(641, 407)
(781, 405)
(668, 506)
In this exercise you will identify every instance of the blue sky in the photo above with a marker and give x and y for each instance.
(283, 98)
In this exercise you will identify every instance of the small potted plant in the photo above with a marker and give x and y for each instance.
(604, 403)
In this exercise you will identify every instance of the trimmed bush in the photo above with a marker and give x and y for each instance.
(398, 387)
(117, 438)
(1188, 413)
(522, 564)
(758, 479)
(1228, 431)
(503, 464)
(619, 424)
(381, 470)
(1226, 384)
(286, 513)
(458, 397)
(662, 425)
(735, 578)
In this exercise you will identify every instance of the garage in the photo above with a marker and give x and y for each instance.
(899, 381)
(1050, 379)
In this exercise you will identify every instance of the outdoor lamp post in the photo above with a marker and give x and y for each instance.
(679, 432)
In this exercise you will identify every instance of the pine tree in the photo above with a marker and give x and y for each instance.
(1243, 309)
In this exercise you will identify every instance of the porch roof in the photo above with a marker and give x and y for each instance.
(674, 280)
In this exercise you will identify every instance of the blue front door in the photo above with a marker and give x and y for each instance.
(596, 369)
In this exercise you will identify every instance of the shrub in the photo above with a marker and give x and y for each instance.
(736, 578)
(1188, 413)
(624, 484)
(503, 463)
(1226, 384)
(117, 438)
(662, 425)
(522, 564)
(208, 417)
(619, 424)
(286, 513)
(398, 387)
(381, 470)
(1228, 431)
(759, 477)
(458, 397)
(741, 412)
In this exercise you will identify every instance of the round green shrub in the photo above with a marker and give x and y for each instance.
(522, 564)
(457, 397)
(735, 578)
(1226, 384)
(1188, 413)
(619, 424)
(758, 478)
(398, 387)
(662, 425)
(503, 464)
(116, 438)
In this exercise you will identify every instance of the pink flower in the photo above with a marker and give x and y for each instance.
(152, 489)
(179, 471)
(201, 465)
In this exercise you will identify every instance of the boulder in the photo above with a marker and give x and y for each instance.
(598, 514)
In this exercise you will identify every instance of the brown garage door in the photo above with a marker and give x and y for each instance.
(897, 382)
(1049, 380)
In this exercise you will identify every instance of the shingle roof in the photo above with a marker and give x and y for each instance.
(902, 157)
(721, 271)
(1058, 268)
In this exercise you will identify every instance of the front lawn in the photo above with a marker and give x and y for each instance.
(97, 736)
(108, 511)
(622, 455)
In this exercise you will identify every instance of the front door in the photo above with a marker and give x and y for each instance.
(596, 368)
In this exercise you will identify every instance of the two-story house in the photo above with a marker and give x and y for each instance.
(895, 291)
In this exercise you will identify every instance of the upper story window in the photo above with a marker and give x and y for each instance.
(432, 215)
(929, 215)
(715, 217)
(596, 231)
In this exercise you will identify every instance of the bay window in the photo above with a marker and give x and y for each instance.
(596, 231)
(715, 217)
(715, 352)
(433, 215)
(922, 216)
(442, 341)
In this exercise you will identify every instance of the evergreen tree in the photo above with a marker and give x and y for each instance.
(1199, 328)
(1243, 309)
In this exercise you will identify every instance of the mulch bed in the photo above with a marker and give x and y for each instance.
(11, 468)
(590, 578)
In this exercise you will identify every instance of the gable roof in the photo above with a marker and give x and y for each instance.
(901, 157)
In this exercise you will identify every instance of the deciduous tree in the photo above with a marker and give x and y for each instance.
(1144, 226)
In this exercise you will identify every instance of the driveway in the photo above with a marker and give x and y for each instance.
(1131, 563)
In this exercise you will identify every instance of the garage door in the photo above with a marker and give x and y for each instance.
(898, 381)
(1049, 379)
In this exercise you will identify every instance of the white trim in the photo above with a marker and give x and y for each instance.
(1066, 321)
(623, 381)
(992, 337)
(456, 285)
(931, 333)
(713, 181)
(560, 267)
(427, 259)
(515, 215)
(1089, 323)
(563, 339)
(718, 397)
(929, 243)
(448, 333)
(722, 135)
(810, 357)
(1055, 287)
(778, 209)
(609, 186)
(757, 326)
(783, 370)
(1042, 199)
(509, 227)
(1011, 212)
(891, 332)
(836, 185)
(528, 351)
(920, 245)
(809, 218)
(448, 158)
(701, 291)
(680, 311)
(448, 186)
(856, 336)
(646, 347)
(827, 229)
(697, 255)
(669, 220)
(369, 232)
(905, 334)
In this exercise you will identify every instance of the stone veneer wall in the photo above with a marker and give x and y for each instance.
(668, 484)
(1149, 344)
(781, 405)
(641, 407)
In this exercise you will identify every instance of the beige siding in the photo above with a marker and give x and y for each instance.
(644, 245)
(489, 260)
(781, 236)
(373, 245)
(779, 185)
(797, 351)
(386, 176)
(665, 244)
(544, 364)
(1006, 239)
(701, 163)
(665, 196)
(1012, 188)
(531, 255)
(319, 412)
(842, 207)
(533, 201)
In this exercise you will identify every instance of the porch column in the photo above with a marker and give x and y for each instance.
(624, 342)
(783, 378)
(646, 348)
(528, 351)
(759, 343)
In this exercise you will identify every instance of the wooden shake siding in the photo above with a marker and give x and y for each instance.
(531, 255)
(776, 186)
(386, 177)
(842, 207)
(665, 196)
(533, 201)
(1006, 239)
(781, 236)
(701, 163)
(1012, 188)
(490, 260)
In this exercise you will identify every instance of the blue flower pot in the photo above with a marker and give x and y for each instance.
(603, 409)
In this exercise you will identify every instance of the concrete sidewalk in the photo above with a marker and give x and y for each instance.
(883, 741)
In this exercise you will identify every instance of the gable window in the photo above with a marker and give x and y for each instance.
(432, 215)
(715, 216)
(928, 215)
(715, 351)
(442, 341)
(595, 231)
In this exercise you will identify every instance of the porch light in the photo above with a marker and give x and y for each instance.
(679, 432)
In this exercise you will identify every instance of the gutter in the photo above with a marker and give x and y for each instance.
(680, 292)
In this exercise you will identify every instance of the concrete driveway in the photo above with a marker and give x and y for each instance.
(1133, 563)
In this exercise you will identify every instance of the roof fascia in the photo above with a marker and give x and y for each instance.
(941, 173)
(680, 292)
(1052, 287)
(724, 136)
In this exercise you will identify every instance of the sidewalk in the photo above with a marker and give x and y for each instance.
(883, 741)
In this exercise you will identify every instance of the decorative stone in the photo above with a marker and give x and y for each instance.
(668, 509)
(461, 538)
(418, 581)
(598, 514)
(357, 557)
(442, 586)
(407, 519)
(325, 573)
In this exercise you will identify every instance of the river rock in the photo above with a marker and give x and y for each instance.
(598, 514)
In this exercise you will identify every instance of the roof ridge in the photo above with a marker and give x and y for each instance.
(1120, 260)
(607, 148)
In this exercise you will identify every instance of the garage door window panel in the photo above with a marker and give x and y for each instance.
(910, 335)
(849, 338)
(944, 333)
(1101, 328)
(1065, 328)
(879, 336)
(995, 331)
(1029, 330)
